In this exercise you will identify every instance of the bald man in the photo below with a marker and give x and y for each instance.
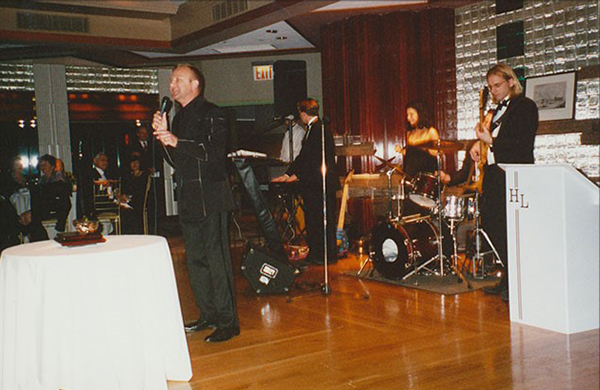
(197, 149)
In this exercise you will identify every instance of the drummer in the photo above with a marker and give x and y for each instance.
(418, 156)
(420, 131)
(420, 159)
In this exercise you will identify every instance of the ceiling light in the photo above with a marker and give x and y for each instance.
(241, 49)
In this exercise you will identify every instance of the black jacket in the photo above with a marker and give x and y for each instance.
(200, 159)
(307, 166)
(515, 141)
(144, 154)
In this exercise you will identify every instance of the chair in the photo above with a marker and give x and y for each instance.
(106, 203)
(52, 218)
(145, 210)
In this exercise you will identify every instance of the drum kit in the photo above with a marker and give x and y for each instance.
(402, 245)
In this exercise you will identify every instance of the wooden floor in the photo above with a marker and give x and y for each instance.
(371, 335)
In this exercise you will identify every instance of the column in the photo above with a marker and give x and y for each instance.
(53, 112)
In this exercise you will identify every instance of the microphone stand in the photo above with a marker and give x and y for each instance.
(439, 208)
(325, 288)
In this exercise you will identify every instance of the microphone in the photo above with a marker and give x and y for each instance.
(165, 105)
(289, 117)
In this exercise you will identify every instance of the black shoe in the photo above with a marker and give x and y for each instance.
(504, 295)
(198, 326)
(222, 334)
(493, 290)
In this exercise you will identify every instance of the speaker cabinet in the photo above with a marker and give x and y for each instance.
(289, 86)
(265, 274)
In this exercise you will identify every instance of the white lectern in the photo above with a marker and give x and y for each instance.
(553, 256)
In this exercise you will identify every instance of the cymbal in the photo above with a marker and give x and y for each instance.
(445, 145)
(389, 164)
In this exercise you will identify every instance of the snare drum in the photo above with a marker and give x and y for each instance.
(458, 208)
(424, 190)
(454, 208)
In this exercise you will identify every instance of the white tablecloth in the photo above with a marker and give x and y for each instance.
(103, 316)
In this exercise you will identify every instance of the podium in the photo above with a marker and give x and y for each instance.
(553, 255)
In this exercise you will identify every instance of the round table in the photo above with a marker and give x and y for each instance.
(101, 316)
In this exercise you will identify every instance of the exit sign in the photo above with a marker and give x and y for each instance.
(262, 72)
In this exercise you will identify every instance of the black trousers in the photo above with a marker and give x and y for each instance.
(209, 266)
(313, 214)
(493, 211)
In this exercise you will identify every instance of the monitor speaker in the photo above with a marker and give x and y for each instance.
(289, 86)
(266, 274)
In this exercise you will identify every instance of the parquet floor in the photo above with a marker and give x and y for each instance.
(370, 335)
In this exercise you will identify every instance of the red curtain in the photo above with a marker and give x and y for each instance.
(373, 65)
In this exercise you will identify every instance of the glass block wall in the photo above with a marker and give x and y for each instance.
(111, 79)
(19, 77)
(560, 36)
(16, 77)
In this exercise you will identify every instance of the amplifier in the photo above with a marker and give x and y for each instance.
(266, 274)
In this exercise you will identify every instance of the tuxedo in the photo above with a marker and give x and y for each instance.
(307, 167)
(518, 126)
(87, 187)
(514, 144)
(144, 150)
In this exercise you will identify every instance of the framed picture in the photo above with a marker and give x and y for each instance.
(554, 95)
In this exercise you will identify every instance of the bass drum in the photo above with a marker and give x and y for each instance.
(399, 248)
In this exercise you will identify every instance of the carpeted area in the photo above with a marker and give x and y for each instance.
(449, 284)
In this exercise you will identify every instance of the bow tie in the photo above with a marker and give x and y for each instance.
(503, 103)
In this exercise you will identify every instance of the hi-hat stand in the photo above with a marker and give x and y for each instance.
(478, 257)
(454, 263)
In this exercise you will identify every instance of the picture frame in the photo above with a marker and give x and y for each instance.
(553, 94)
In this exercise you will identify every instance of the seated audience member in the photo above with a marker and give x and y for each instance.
(15, 189)
(9, 225)
(100, 167)
(100, 185)
(52, 198)
(99, 172)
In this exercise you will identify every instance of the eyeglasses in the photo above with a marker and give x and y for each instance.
(497, 85)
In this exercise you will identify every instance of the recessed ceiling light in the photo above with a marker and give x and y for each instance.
(281, 38)
(272, 31)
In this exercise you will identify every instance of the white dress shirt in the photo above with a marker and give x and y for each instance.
(503, 106)
(298, 135)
